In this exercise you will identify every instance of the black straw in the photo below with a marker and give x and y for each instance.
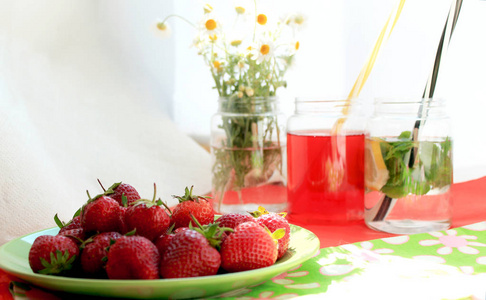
(386, 204)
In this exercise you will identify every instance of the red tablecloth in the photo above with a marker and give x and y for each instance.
(469, 206)
(469, 203)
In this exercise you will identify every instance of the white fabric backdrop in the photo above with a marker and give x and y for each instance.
(72, 111)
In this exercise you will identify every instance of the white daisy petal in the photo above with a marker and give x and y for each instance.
(367, 245)
(477, 244)
(481, 226)
(444, 250)
(397, 240)
(384, 251)
(481, 260)
(451, 232)
(468, 250)
(298, 274)
(429, 242)
(436, 234)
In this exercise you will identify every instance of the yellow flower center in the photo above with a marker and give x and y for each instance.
(217, 64)
(264, 49)
(297, 45)
(210, 24)
(161, 26)
(240, 10)
(262, 19)
(235, 43)
(299, 19)
(213, 38)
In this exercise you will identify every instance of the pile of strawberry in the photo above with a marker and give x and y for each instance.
(118, 235)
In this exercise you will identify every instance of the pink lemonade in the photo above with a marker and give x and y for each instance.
(325, 177)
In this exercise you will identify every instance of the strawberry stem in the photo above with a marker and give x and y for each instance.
(104, 190)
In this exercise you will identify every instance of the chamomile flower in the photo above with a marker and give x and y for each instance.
(293, 47)
(210, 27)
(262, 51)
(161, 29)
(241, 67)
(218, 66)
(297, 21)
(198, 43)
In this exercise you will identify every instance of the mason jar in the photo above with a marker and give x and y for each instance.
(325, 157)
(248, 147)
(408, 166)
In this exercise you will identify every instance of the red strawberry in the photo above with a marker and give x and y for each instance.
(72, 229)
(249, 247)
(101, 214)
(118, 189)
(94, 253)
(274, 221)
(133, 257)
(76, 234)
(148, 217)
(189, 254)
(232, 220)
(162, 242)
(123, 225)
(73, 224)
(52, 254)
(189, 204)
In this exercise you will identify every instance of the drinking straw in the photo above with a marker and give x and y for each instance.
(368, 66)
(338, 145)
(450, 24)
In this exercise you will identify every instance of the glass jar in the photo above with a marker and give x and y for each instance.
(408, 166)
(248, 147)
(325, 157)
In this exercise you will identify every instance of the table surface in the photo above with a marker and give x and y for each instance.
(357, 262)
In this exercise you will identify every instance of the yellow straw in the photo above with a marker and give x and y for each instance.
(338, 147)
(366, 70)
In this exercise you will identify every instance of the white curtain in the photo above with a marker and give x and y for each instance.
(84, 95)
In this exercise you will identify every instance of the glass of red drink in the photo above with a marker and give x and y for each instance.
(325, 161)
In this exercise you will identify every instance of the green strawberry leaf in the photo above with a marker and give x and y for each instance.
(59, 263)
(59, 223)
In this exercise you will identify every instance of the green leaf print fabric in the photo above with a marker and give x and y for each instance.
(447, 264)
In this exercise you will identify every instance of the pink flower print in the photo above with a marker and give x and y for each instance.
(451, 240)
(282, 278)
(268, 296)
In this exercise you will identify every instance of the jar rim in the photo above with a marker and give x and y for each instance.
(324, 100)
(252, 99)
(409, 100)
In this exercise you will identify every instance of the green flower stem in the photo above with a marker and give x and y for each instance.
(180, 17)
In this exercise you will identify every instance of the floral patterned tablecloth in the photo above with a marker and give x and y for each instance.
(448, 264)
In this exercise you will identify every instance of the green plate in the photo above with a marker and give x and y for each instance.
(14, 260)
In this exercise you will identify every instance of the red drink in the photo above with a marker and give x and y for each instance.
(325, 176)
